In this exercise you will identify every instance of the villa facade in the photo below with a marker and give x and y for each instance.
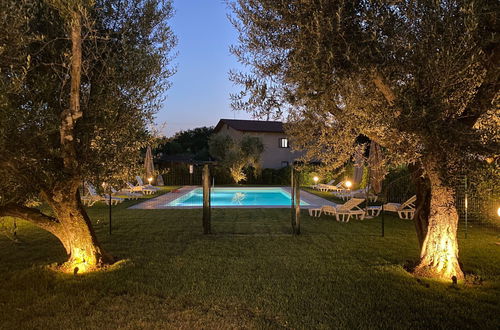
(277, 152)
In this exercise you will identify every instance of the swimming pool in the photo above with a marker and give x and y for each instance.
(234, 197)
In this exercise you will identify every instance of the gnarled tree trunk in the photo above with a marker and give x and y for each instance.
(423, 203)
(70, 224)
(439, 254)
(75, 231)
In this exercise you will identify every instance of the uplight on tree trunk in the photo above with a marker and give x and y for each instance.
(439, 254)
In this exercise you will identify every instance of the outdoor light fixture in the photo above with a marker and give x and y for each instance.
(315, 179)
(498, 211)
(150, 179)
(348, 184)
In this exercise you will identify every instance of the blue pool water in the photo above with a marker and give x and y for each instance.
(237, 197)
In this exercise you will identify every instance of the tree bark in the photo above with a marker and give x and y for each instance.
(77, 235)
(439, 254)
(71, 115)
(207, 228)
(75, 231)
(423, 203)
(32, 215)
(70, 224)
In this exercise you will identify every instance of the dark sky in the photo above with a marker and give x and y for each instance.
(200, 92)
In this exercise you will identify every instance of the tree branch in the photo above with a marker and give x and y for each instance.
(383, 88)
(487, 92)
(32, 215)
(70, 115)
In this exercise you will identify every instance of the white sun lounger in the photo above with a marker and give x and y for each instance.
(93, 197)
(140, 189)
(125, 192)
(343, 212)
(359, 193)
(148, 186)
(318, 186)
(405, 210)
(338, 187)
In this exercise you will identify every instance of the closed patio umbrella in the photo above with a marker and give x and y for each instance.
(359, 164)
(377, 167)
(148, 164)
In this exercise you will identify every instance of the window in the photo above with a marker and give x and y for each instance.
(284, 143)
(284, 163)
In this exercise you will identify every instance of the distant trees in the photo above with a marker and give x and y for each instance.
(80, 81)
(193, 141)
(420, 78)
(236, 155)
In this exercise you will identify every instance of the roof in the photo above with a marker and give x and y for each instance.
(251, 125)
(177, 158)
(185, 158)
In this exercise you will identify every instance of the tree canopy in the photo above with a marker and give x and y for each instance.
(236, 155)
(418, 77)
(80, 82)
(193, 141)
(403, 73)
(125, 69)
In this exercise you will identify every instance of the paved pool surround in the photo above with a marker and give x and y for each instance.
(163, 201)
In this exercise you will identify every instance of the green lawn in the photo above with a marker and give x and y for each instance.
(250, 274)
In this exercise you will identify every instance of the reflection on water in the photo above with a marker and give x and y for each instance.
(238, 198)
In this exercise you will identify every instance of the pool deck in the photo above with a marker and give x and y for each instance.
(161, 201)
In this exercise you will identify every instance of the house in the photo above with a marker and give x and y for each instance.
(277, 152)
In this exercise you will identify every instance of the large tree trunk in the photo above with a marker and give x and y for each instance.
(70, 224)
(70, 115)
(75, 232)
(423, 203)
(439, 254)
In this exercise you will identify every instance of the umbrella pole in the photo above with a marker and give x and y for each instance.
(367, 216)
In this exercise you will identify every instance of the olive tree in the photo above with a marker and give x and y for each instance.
(420, 78)
(236, 155)
(80, 82)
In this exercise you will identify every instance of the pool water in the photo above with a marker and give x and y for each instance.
(237, 197)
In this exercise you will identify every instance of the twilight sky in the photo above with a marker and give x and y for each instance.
(200, 92)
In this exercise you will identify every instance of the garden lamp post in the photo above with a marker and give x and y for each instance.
(191, 170)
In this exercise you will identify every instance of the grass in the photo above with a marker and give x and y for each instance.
(251, 273)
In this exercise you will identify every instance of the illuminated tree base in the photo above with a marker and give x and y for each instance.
(439, 255)
(446, 271)
(80, 264)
